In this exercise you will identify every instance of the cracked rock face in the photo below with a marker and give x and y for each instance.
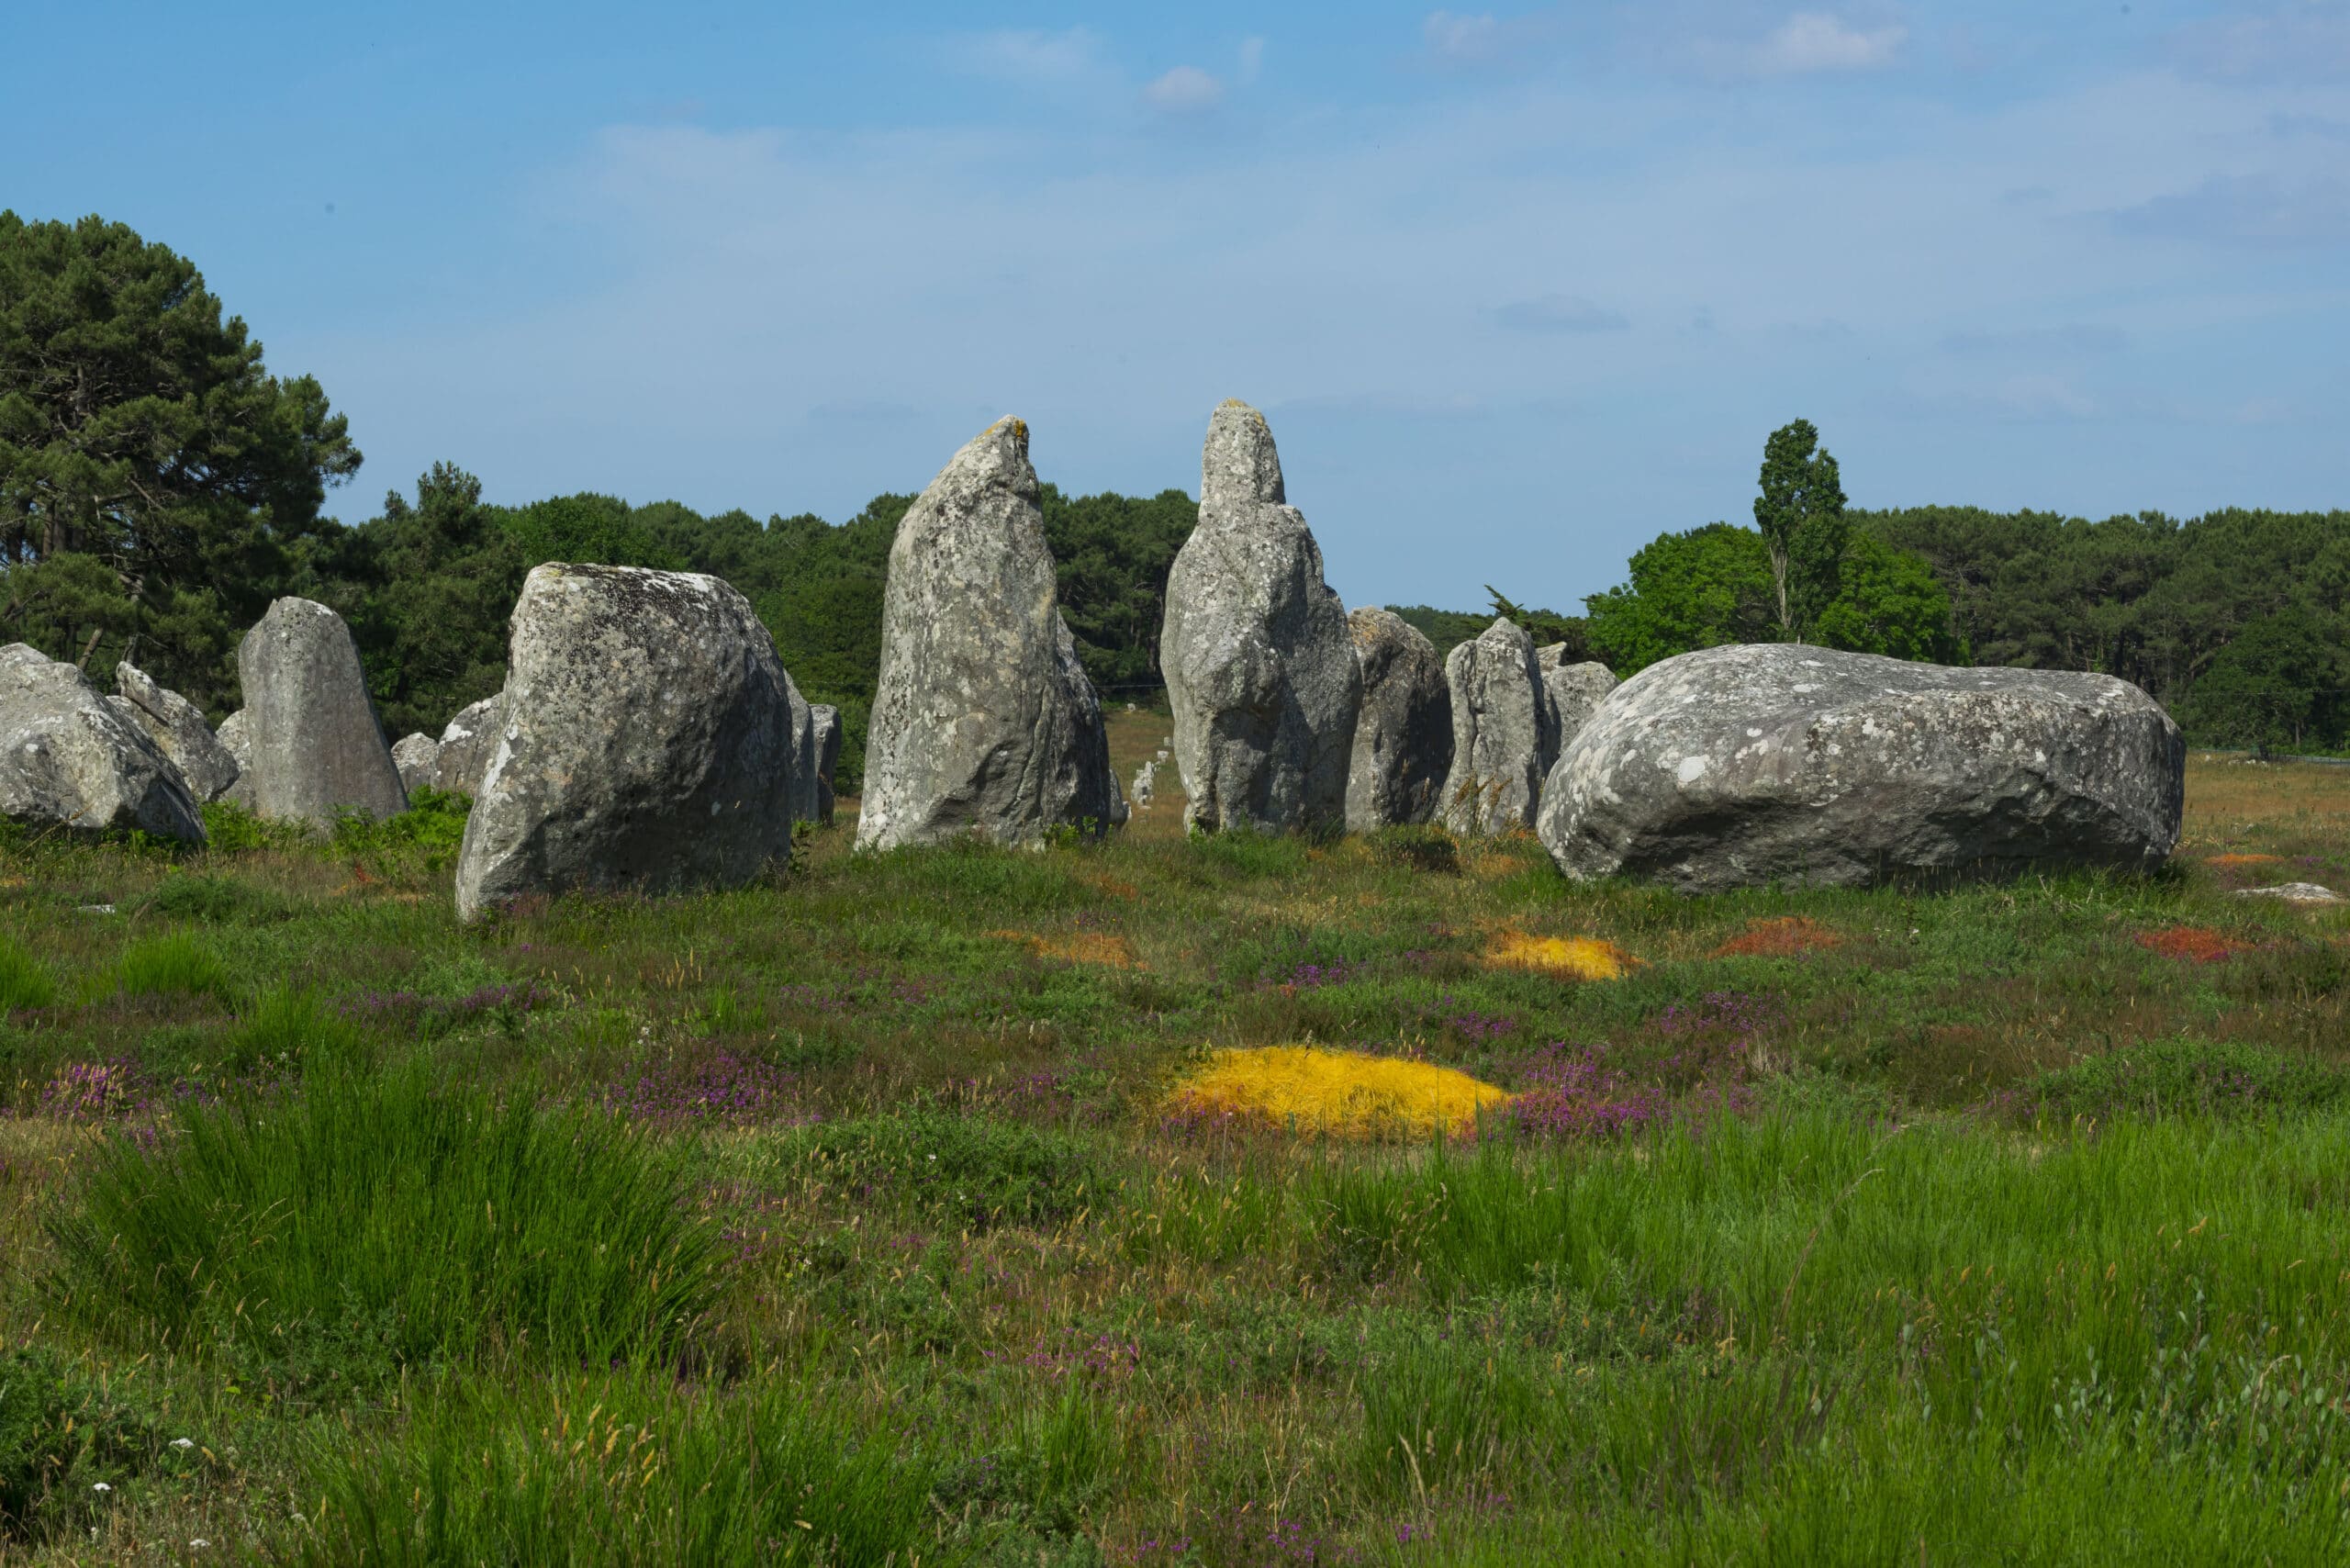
(176, 726)
(71, 759)
(1503, 727)
(466, 743)
(1575, 692)
(1259, 659)
(1735, 767)
(983, 721)
(827, 720)
(647, 742)
(313, 748)
(1404, 729)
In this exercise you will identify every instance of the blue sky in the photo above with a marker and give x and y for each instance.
(1518, 289)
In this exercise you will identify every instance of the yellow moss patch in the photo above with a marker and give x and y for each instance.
(1570, 957)
(2246, 859)
(1077, 947)
(1342, 1093)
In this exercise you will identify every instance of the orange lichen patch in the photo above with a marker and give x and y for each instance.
(1104, 883)
(1786, 937)
(1338, 1093)
(1077, 947)
(2244, 859)
(2194, 944)
(1570, 957)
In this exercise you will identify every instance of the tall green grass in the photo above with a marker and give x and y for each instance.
(378, 1223)
(174, 965)
(25, 982)
(626, 1470)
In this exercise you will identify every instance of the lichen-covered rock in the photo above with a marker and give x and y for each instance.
(72, 760)
(827, 720)
(1404, 729)
(176, 726)
(983, 721)
(467, 742)
(1261, 667)
(1735, 767)
(418, 756)
(1146, 785)
(1503, 726)
(646, 743)
(1575, 692)
(313, 749)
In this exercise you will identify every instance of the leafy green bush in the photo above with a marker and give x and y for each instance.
(229, 826)
(982, 1170)
(434, 821)
(623, 1470)
(62, 1438)
(375, 1222)
(24, 981)
(174, 965)
(2190, 1077)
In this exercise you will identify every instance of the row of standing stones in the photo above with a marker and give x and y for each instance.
(649, 737)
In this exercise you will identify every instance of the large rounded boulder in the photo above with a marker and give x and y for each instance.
(1259, 662)
(311, 747)
(646, 745)
(983, 721)
(1780, 763)
(1404, 729)
(72, 760)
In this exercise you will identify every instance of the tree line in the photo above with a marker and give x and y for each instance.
(159, 487)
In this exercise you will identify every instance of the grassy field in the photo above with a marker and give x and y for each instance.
(860, 1219)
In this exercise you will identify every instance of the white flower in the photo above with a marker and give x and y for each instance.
(199, 1543)
(100, 1487)
(183, 1442)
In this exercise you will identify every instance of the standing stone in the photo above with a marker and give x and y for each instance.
(71, 760)
(1575, 692)
(467, 742)
(828, 758)
(647, 742)
(176, 726)
(1738, 766)
(315, 748)
(1145, 787)
(1502, 726)
(807, 788)
(1261, 667)
(1403, 735)
(418, 756)
(983, 719)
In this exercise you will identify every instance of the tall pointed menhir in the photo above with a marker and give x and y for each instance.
(1259, 664)
(983, 721)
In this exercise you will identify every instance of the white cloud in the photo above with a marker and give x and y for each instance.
(1031, 57)
(1461, 39)
(1187, 89)
(1252, 58)
(1814, 41)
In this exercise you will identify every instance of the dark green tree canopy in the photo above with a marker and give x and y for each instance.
(1800, 514)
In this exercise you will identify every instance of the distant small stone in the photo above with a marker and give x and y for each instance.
(2293, 892)
(467, 742)
(418, 756)
(315, 749)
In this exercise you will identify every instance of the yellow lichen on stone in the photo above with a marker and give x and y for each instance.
(1338, 1093)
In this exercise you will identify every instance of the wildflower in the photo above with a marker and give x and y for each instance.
(183, 1442)
(100, 1487)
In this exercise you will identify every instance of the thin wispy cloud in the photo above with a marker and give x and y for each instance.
(1812, 41)
(1559, 313)
(1030, 57)
(1252, 60)
(2308, 41)
(2073, 338)
(1185, 90)
(2260, 210)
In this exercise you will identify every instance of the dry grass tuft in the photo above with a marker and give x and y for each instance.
(1077, 947)
(2243, 860)
(1567, 958)
(1339, 1093)
(1786, 937)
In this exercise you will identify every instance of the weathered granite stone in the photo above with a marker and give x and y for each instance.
(1261, 667)
(418, 756)
(313, 749)
(1146, 786)
(827, 720)
(1735, 767)
(467, 742)
(1404, 732)
(1575, 692)
(1502, 726)
(647, 742)
(176, 726)
(983, 721)
(2293, 892)
(807, 784)
(72, 760)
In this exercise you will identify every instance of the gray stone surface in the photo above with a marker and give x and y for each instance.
(646, 745)
(1503, 727)
(418, 756)
(827, 720)
(1146, 785)
(176, 726)
(313, 748)
(983, 721)
(807, 787)
(1259, 664)
(1575, 692)
(1735, 767)
(2293, 892)
(467, 742)
(72, 760)
(1404, 731)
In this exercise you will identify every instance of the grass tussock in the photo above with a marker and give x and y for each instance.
(1781, 937)
(1348, 1095)
(1103, 950)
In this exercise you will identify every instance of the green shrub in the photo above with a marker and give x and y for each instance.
(981, 1170)
(377, 1222)
(61, 1437)
(626, 1470)
(434, 822)
(216, 900)
(174, 965)
(24, 981)
(230, 827)
(2190, 1077)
